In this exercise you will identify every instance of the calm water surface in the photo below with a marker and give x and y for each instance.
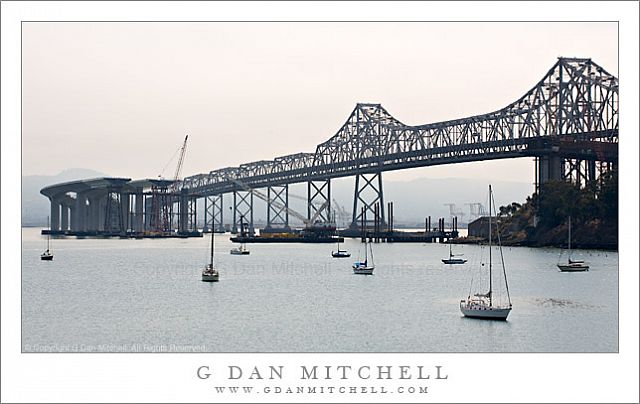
(146, 295)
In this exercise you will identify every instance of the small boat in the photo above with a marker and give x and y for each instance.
(47, 255)
(363, 267)
(242, 250)
(572, 265)
(487, 305)
(209, 273)
(453, 260)
(340, 253)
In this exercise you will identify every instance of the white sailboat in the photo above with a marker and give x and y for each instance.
(242, 250)
(47, 255)
(209, 273)
(340, 253)
(364, 267)
(572, 265)
(451, 259)
(487, 305)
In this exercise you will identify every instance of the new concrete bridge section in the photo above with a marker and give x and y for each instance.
(120, 207)
(568, 122)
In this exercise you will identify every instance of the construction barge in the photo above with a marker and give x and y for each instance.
(286, 239)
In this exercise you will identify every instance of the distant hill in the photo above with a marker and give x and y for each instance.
(35, 206)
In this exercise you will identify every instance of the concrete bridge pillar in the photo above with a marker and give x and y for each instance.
(91, 220)
(184, 213)
(102, 206)
(138, 218)
(125, 216)
(80, 223)
(55, 214)
(64, 217)
(95, 220)
(550, 168)
(72, 217)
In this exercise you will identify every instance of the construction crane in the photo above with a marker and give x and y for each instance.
(175, 185)
(453, 210)
(162, 198)
(476, 210)
(341, 212)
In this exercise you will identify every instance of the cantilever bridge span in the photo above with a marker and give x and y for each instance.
(568, 121)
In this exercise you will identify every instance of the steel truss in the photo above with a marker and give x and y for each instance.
(319, 201)
(278, 213)
(368, 198)
(242, 210)
(213, 214)
(575, 100)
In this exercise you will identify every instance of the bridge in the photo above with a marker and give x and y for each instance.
(568, 122)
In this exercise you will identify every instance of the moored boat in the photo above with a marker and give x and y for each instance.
(209, 273)
(572, 265)
(487, 305)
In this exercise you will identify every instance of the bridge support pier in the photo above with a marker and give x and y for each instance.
(93, 213)
(54, 223)
(80, 221)
(213, 214)
(64, 217)
(113, 220)
(138, 216)
(187, 213)
(242, 208)
(72, 216)
(319, 201)
(277, 207)
(368, 193)
(183, 209)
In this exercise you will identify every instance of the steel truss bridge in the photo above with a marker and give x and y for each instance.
(568, 122)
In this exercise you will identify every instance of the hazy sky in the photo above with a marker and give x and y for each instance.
(119, 97)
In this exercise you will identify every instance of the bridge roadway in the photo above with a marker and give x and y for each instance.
(568, 121)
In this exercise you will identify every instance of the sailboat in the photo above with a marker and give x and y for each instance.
(209, 273)
(47, 256)
(340, 253)
(452, 260)
(363, 267)
(242, 250)
(572, 265)
(487, 305)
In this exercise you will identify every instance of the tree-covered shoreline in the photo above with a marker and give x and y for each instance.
(542, 221)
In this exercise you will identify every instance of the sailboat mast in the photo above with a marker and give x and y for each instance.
(212, 233)
(48, 234)
(490, 216)
(569, 237)
(365, 247)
